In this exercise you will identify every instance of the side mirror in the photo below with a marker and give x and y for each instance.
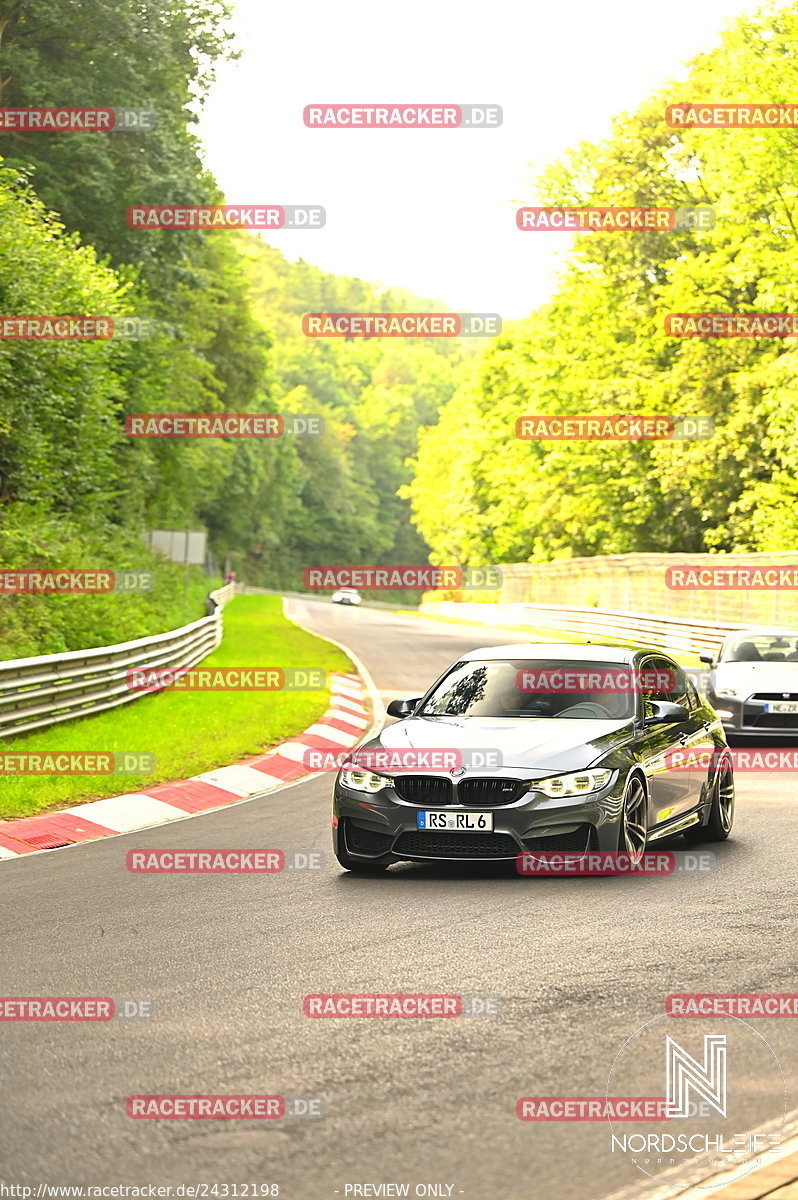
(665, 713)
(708, 659)
(402, 708)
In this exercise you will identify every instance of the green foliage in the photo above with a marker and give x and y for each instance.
(58, 401)
(373, 395)
(226, 310)
(156, 54)
(599, 346)
(32, 538)
(208, 354)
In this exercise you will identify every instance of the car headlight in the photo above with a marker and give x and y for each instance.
(729, 692)
(572, 785)
(364, 781)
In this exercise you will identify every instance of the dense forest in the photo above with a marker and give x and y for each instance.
(419, 457)
(599, 346)
(224, 313)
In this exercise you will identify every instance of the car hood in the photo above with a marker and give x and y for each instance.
(749, 677)
(531, 744)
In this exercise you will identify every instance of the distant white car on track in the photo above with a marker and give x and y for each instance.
(753, 683)
(346, 596)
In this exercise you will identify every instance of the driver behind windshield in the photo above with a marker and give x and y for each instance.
(542, 689)
(618, 704)
(510, 701)
(605, 705)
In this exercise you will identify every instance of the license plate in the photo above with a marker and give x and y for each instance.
(455, 822)
(782, 706)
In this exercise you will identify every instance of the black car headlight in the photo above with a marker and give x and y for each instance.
(578, 784)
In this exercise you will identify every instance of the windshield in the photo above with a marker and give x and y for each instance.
(571, 690)
(762, 647)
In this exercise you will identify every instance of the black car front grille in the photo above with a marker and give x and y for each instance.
(367, 841)
(436, 792)
(457, 845)
(755, 718)
(423, 789)
(490, 792)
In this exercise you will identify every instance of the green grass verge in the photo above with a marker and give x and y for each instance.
(188, 732)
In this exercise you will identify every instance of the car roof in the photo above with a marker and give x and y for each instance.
(567, 651)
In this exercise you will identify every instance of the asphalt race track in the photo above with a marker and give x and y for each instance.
(579, 965)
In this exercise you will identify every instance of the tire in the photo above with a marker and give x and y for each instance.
(633, 822)
(357, 864)
(721, 810)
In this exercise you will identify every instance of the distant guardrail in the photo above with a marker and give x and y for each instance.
(638, 583)
(51, 688)
(259, 591)
(676, 635)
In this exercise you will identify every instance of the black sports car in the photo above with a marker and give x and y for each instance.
(537, 747)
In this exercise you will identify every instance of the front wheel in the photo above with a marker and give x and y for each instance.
(721, 810)
(633, 832)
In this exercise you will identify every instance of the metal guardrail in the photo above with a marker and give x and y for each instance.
(51, 688)
(676, 635)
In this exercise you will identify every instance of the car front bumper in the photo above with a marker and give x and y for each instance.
(748, 716)
(382, 827)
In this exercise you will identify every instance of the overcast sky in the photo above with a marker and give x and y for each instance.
(433, 210)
